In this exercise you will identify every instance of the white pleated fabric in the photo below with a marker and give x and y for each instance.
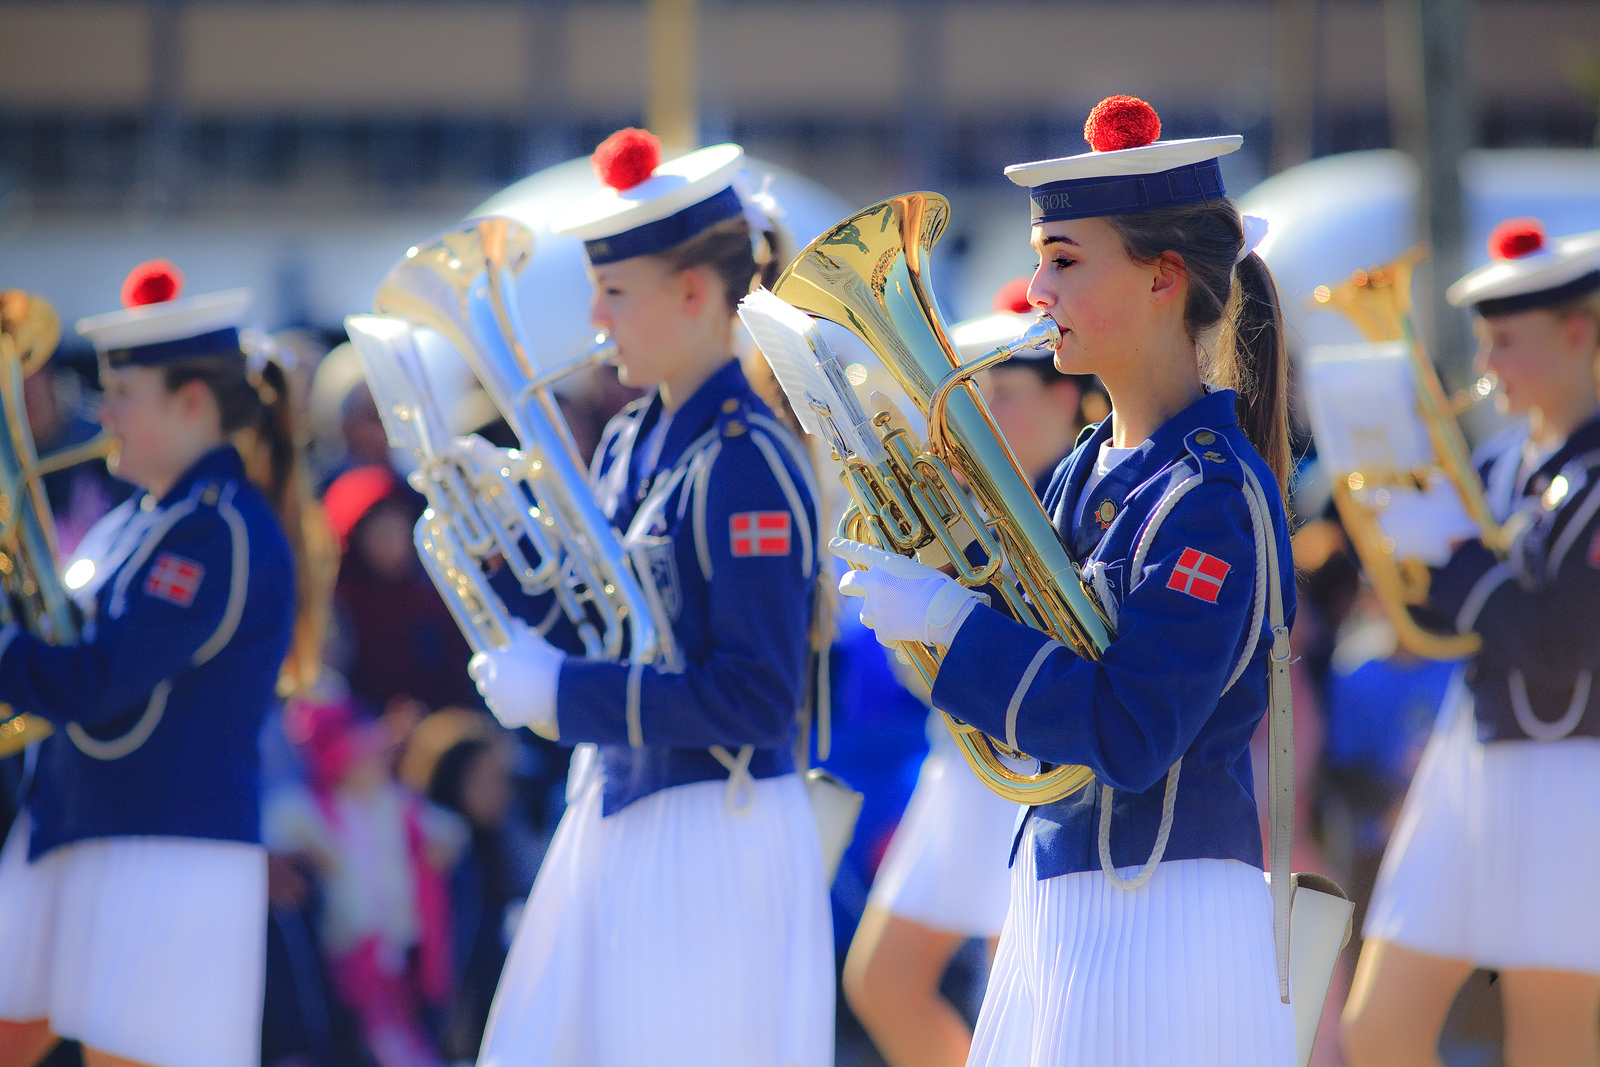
(675, 934)
(1179, 972)
(948, 864)
(1496, 854)
(150, 948)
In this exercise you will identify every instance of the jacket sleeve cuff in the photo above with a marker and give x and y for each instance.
(988, 666)
(599, 702)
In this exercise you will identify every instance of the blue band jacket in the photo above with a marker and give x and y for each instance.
(726, 515)
(188, 605)
(1167, 544)
(1538, 611)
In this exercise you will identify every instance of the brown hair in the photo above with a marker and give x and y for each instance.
(259, 415)
(1240, 303)
(725, 249)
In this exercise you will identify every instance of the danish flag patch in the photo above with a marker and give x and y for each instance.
(1199, 575)
(759, 533)
(174, 579)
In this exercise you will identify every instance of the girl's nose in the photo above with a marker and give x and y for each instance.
(1038, 292)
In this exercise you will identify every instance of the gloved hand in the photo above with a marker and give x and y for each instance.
(519, 682)
(904, 600)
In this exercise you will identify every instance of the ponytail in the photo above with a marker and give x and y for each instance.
(1238, 304)
(1252, 330)
(258, 415)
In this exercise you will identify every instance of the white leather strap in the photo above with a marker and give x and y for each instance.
(1280, 739)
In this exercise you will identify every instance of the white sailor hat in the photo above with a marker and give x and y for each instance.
(649, 206)
(1011, 316)
(1527, 270)
(1129, 170)
(155, 326)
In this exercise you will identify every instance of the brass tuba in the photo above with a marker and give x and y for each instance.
(869, 274)
(1378, 303)
(33, 594)
(531, 509)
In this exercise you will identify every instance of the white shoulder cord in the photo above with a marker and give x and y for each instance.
(1280, 728)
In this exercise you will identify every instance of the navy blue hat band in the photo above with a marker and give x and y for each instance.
(1544, 298)
(216, 343)
(665, 233)
(1085, 198)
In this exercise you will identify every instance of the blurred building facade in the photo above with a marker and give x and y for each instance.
(141, 114)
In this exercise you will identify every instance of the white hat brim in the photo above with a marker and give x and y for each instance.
(1146, 159)
(1564, 260)
(171, 320)
(675, 185)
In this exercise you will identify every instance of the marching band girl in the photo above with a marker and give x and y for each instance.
(1140, 929)
(944, 878)
(681, 915)
(1497, 849)
(134, 887)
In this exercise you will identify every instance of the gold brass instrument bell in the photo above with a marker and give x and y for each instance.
(1378, 303)
(33, 594)
(869, 274)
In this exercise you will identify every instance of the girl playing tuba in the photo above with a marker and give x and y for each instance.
(1498, 843)
(681, 915)
(1140, 929)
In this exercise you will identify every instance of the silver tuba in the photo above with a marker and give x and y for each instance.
(531, 508)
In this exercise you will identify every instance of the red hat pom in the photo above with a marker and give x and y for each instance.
(1119, 122)
(1515, 238)
(152, 282)
(1013, 296)
(627, 158)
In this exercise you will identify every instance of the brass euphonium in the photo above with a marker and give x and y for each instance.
(1378, 303)
(529, 509)
(869, 274)
(33, 594)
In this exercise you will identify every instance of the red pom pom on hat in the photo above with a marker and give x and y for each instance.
(1119, 122)
(627, 158)
(153, 282)
(1013, 296)
(1515, 238)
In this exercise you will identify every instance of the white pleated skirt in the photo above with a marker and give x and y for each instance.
(675, 934)
(1496, 855)
(1179, 972)
(150, 948)
(948, 864)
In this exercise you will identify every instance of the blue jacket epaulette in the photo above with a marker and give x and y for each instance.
(1214, 457)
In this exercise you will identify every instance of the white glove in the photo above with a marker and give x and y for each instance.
(904, 600)
(519, 682)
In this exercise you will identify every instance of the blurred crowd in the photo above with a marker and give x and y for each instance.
(405, 826)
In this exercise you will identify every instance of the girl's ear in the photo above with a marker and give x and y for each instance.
(1581, 333)
(191, 398)
(1169, 273)
(693, 290)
